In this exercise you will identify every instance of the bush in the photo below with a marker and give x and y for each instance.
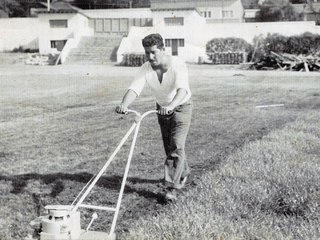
(304, 44)
(234, 45)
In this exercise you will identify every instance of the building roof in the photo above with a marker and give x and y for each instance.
(117, 13)
(59, 7)
(176, 4)
(176, 9)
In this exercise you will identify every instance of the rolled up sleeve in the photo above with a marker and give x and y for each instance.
(182, 77)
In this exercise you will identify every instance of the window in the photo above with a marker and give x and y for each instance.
(58, 44)
(181, 42)
(227, 14)
(174, 44)
(58, 23)
(175, 21)
(115, 25)
(206, 14)
(99, 25)
(168, 42)
(124, 25)
(142, 22)
(106, 25)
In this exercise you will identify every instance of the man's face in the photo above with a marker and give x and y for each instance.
(154, 55)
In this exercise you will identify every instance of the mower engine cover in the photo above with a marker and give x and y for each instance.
(60, 223)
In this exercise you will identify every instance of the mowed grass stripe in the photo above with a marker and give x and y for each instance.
(267, 189)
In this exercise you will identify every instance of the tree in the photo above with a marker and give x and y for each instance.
(21, 8)
(298, 1)
(277, 10)
(18, 8)
(250, 4)
(13, 8)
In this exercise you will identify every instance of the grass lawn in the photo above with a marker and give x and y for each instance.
(58, 127)
(267, 189)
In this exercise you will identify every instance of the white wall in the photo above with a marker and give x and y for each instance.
(19, 32)
(217, 7)
(192, 22)
(248, 31)
(77, 23)
(118, 13)
(197, 36)
(193, 26)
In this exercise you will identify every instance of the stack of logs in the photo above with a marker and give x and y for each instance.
(287, 61)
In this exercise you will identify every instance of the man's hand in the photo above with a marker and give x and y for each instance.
(121, 109)
(165, 110)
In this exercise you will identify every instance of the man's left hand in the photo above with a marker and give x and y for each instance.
(165, 110)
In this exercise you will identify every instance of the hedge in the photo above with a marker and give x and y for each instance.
(305, 44)
(133, 59)
(233, 50)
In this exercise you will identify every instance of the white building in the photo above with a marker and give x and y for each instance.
(215, 11)
(178, 21)
(185, 25)
(182, 24)
(60, 23)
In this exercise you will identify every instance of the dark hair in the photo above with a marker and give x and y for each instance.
(153, 39)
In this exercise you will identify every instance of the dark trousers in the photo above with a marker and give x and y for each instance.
(174, 130)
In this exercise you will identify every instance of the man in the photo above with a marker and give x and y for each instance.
(167, 76)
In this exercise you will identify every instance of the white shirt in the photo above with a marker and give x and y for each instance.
(174, 78)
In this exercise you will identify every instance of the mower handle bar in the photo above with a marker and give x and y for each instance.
(135, 126)
(139, 115)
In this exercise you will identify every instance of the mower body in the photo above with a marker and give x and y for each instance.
(63, 223)
(60, 223)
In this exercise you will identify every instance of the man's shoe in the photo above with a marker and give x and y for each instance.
(186, 181)
(171, 195)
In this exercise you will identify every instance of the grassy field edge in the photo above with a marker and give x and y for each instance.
(268, 189)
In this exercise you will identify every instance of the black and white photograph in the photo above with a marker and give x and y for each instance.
(160, 119)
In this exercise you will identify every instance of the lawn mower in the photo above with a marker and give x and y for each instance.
(63, 221)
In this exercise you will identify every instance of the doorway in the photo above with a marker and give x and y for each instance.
(174, 47)
(174, 44)
(58, 44)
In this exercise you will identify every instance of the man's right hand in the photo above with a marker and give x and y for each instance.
(121, 109)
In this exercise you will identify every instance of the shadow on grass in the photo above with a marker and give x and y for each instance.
(19, 182)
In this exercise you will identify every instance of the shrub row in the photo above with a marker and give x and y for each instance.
(133, 59)
(219, 45)
(305, 44)
(231, 50)
(226, 58)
